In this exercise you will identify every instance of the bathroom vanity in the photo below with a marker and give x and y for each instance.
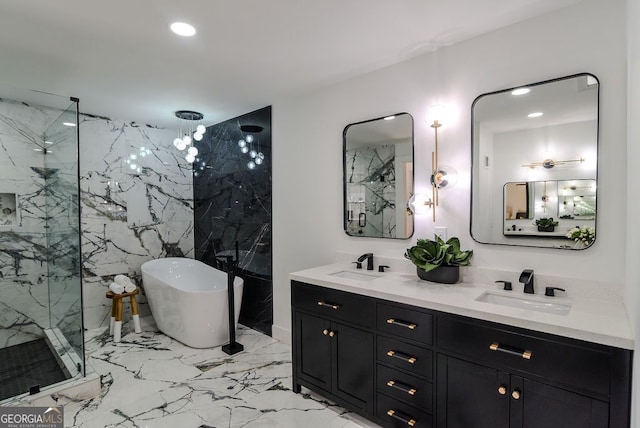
(404, 352)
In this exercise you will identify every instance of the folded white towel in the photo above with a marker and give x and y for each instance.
(130, 287)
(116, 288)
(121, 279)
(126, 282)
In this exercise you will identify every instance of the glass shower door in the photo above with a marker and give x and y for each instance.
(63, 238)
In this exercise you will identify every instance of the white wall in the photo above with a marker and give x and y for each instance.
(632, 289)
(307, 175)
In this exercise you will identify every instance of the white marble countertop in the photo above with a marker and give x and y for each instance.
(592, 320)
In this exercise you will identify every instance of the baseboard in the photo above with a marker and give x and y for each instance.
(281, 334)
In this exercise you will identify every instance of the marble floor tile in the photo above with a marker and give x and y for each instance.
(150, 380)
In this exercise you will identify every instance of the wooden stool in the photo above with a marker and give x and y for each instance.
(115, 327)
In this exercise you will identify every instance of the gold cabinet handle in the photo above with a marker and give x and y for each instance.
(328, 332)
(404, 357)
(515, 394)
(526, 354)
(402, 387)
(502, 390)
(409, 325)
(401, 417)
(333, 306)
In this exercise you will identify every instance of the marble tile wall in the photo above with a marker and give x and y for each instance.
(136, 206)
(23, 246)
(233, 204)
(129, 215)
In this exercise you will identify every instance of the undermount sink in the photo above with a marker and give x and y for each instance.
(354, 275)
(525, 303)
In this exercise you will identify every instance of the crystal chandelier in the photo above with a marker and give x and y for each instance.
(189, 130)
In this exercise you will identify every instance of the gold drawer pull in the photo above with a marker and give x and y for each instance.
(502, 390)
(333, 306)
(409, 325)
(404, 357)
(526, 354)
(402, 387)
(515, 394)
(401, 417)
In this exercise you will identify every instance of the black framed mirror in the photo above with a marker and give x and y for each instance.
(534, 163)
(378, 177)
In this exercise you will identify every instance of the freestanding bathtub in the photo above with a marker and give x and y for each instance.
(188, 300)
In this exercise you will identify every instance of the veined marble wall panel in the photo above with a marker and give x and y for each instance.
(23, 248)
(233, 204)
(137, 205)
(129, 215)
(21, 131)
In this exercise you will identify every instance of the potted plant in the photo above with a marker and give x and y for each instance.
(437, 260)
(583, 236)
(546, 224)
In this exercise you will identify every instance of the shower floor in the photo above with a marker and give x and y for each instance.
(25, 365)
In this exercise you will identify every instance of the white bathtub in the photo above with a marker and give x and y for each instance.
(188, 300)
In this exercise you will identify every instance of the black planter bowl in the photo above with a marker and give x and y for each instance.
(441, 274)
(546, 228)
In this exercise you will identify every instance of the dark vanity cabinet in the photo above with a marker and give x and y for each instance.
(404, 366)
(502, 376)
(333, 350)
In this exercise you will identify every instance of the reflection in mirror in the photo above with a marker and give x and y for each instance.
(534, 154)
(572, 203)
(378, 177)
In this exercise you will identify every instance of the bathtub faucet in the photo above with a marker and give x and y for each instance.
(232, 347)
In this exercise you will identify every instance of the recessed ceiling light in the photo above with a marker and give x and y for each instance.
(536, 114)
(389, 118)
(68, 124)
(520, 91)
(183, 29)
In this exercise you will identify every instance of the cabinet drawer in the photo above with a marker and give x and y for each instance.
(404, 387)
(407, 357)
(394, 413)
(580, 367)
(334, 304)
(405, 322)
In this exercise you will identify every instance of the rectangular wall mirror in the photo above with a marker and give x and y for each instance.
(534, 161)
(378, 177)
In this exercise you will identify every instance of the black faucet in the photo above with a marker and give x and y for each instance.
(369, 258)
(526, 277)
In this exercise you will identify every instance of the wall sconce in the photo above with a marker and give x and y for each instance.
(550, 163)
(188, 132)
(441, 176)
(419, 203)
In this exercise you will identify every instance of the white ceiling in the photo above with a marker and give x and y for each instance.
(121, 60)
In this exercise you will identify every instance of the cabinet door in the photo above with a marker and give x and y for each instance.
(313, 350)
(471, 396)
(353, 365)
(544, 406)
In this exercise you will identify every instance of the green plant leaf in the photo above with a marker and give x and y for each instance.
(428, 254)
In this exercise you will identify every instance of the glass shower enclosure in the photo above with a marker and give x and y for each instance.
(41, 324)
